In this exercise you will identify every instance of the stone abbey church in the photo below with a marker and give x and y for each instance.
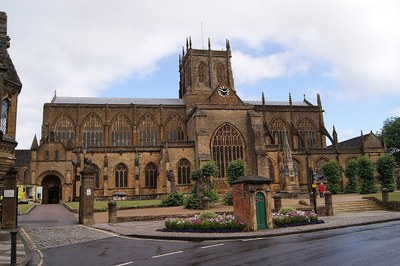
(133, 142)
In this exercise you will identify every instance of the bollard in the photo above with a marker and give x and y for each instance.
(385, 195)
(112, 212)
(277, 202)
(13, 247)
(328, 203)
(205, 203)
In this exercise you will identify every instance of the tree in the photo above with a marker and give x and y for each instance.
(385, 167)
(235, 169)
(331, 171)
(351, 173)
(365, 171)
(391, 134)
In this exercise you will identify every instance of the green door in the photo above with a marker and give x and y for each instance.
(260, 211)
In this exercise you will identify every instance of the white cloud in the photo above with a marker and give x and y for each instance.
(81, 48)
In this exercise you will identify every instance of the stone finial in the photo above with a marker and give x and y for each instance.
(228, 46)
(34, 145)
(190, 42)
(262, 98)
(209, 44)
(319, 100)
(290, 98)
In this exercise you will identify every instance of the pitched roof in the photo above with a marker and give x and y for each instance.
(23, 157)
(101, 100)
(354, 142)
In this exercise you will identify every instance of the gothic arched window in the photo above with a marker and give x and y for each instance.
(148, 131)
(318, 165)
(308, 132)
(5, 109)
(278, 129)
(151, 174)
(183, 172)
(227, 145)
(221, 74)
(201, 71)
(64, 128)
(120, 131)
(121, 175)
(271, 168)
(92, 132)
(174, 129)
(96, 176)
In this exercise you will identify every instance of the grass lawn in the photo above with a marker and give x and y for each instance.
(393, 196)
(103, 204)
(23, 208)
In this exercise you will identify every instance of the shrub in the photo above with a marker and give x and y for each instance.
(235, 169)
(211, 194)
(207, 215)
(228, 199)
(351, 173)
(385, 167)
(192, 202)
(285, 210)
(365, 171)
(172, 199)
(331, 171)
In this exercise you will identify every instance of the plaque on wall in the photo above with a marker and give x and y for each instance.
(9, 193)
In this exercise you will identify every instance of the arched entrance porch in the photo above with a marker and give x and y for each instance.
(52, 189)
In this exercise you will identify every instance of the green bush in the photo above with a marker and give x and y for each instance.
(228, 199)
(172, 199)
(286, 210)
(211, 194)
(385, 167)
(331, 171)
(351, 173)
(235, 169)
(192, 202)
(365, 171)
(207, 215)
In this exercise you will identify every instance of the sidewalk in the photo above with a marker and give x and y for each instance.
(5, 249)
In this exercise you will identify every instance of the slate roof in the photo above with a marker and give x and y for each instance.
(100, 100)
(22, 157)
(278, 103)
(352, 143)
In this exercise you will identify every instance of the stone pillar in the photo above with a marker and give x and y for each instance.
(328, 203)
(277, 202)
(385, 195)
(205, 203)
(9, 204)
(86, 201)
(112, 212)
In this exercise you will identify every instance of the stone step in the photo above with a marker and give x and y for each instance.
(352, 206)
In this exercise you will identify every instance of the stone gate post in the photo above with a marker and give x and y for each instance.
(86, 200)
(10, 198)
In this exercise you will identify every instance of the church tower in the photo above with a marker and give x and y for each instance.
(202, 71)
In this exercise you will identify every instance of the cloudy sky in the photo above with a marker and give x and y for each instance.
(347, 51)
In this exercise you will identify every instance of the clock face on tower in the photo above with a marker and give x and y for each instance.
(223, 91)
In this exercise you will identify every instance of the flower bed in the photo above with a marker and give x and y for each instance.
(199, 223)
(295, 218)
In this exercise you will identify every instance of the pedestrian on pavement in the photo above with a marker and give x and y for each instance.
(321, 190)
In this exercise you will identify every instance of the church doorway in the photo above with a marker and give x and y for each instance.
(51, 189)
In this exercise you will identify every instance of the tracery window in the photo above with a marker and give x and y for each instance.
(227, 145)
(151, 174)
(174, 129)
(120, 131)
(297, 169)
(92, 132)
(271, 168)
(307, 132)
(278, 129)
(96, 176)
(221, 74)
(64, 128)
(183, 172)
(201, 70)
(121, 175)
(148, 131)
(46, 155)
(318, 165)
(5, 109)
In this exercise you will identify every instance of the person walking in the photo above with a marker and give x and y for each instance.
(321, 190)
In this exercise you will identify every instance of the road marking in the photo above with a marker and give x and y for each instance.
(34, 247)
(167, 254)
(212, 246)
(126, 263)
(252, 239)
